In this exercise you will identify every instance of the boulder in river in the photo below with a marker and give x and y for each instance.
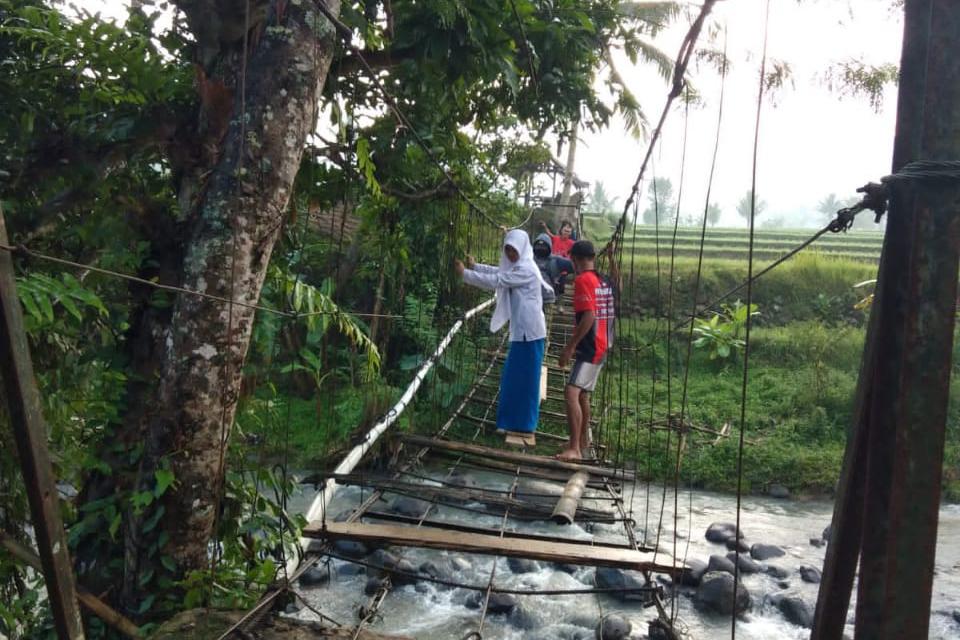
(460, 479)
(956, 615)
(410, 507)
(794, 609)
(810, 574)
(827, 532)
(524, 617)
(766, 551)
(719, 563)
(523, 565)
(816, 542)
(373, 585)
(777, 572)
(746, 564)
(621, 580)
(348, 569)
(732, 544)
(778, 491)
(612, 627)
(691, 576)
(722, 531)
(460, 563)
(715, 593)
(499, 602)
(314, 576)
(350, 548)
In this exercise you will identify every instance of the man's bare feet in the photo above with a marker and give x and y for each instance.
(568, 454)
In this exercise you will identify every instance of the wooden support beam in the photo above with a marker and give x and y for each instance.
(489, 544)
(30, 434)
(89, 601)
(520, 458)
(565, 510)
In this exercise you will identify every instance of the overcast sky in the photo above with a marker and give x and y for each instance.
(812, 141)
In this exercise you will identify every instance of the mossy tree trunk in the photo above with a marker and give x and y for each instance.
(179, 418)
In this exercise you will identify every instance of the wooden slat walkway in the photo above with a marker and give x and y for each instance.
(519, 458)
(487, 544)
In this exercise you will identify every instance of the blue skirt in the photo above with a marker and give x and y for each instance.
(519, 406)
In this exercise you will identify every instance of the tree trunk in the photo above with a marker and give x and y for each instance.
(182, 419)
(563, 211)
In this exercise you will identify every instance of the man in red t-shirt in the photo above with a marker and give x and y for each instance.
(563, 242)
(593, 304)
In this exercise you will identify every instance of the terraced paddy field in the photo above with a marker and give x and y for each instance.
(861, 246)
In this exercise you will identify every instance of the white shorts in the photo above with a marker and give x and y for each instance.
(584, 374)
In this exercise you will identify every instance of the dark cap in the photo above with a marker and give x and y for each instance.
(582, 249)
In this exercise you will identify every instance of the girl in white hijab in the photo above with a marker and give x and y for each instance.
(520, 292)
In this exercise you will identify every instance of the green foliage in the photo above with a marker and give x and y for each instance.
(720, 335)
(856, 78)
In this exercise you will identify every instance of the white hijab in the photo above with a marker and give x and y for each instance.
(519, 240)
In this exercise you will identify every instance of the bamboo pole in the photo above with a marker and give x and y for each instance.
(93, 604)
(566, 509)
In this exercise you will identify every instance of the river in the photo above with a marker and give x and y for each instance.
(427, 612)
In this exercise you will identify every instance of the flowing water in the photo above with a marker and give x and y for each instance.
(427, 611)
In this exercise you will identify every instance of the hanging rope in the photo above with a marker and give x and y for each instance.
(749, 322)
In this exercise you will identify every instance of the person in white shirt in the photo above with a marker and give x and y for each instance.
(520, 293)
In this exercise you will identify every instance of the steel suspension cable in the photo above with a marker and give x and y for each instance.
(749, 323)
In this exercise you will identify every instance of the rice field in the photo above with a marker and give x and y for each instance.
(769, 244)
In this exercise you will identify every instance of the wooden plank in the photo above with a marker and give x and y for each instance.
(521, 458)
(520, 439)
(453, 526)
(30, 434)
(487, 544)
(546, 435)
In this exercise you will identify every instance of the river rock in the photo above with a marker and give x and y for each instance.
(460, 479)
(566, 568)
(722, 531)
(522, 565)
(784, 584)
(524, 617)
(810, 574)
(794, 609)
(716, 594)
(778, 573)
(373, 585)
(656, 630)
(766, 551)
(778, 491)
(410, 507)
(459, 563)
(439, 570)
(314, 576)
(956, 615)
(581, 620)
(350, 549)
(619, 579)
(816, 542)
(406, 573)
(383, 559)
(499, 602)
(719, 563)
(732, 543)
(827, 532)
(612, 627)
(692, 576)
(348, 569)
(746, 564)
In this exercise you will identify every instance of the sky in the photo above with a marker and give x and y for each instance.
(813, 141)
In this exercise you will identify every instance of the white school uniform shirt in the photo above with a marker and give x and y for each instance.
(526, 291)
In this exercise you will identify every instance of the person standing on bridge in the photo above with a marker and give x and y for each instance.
(520, 294)
(562, 242)
(593, 306)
